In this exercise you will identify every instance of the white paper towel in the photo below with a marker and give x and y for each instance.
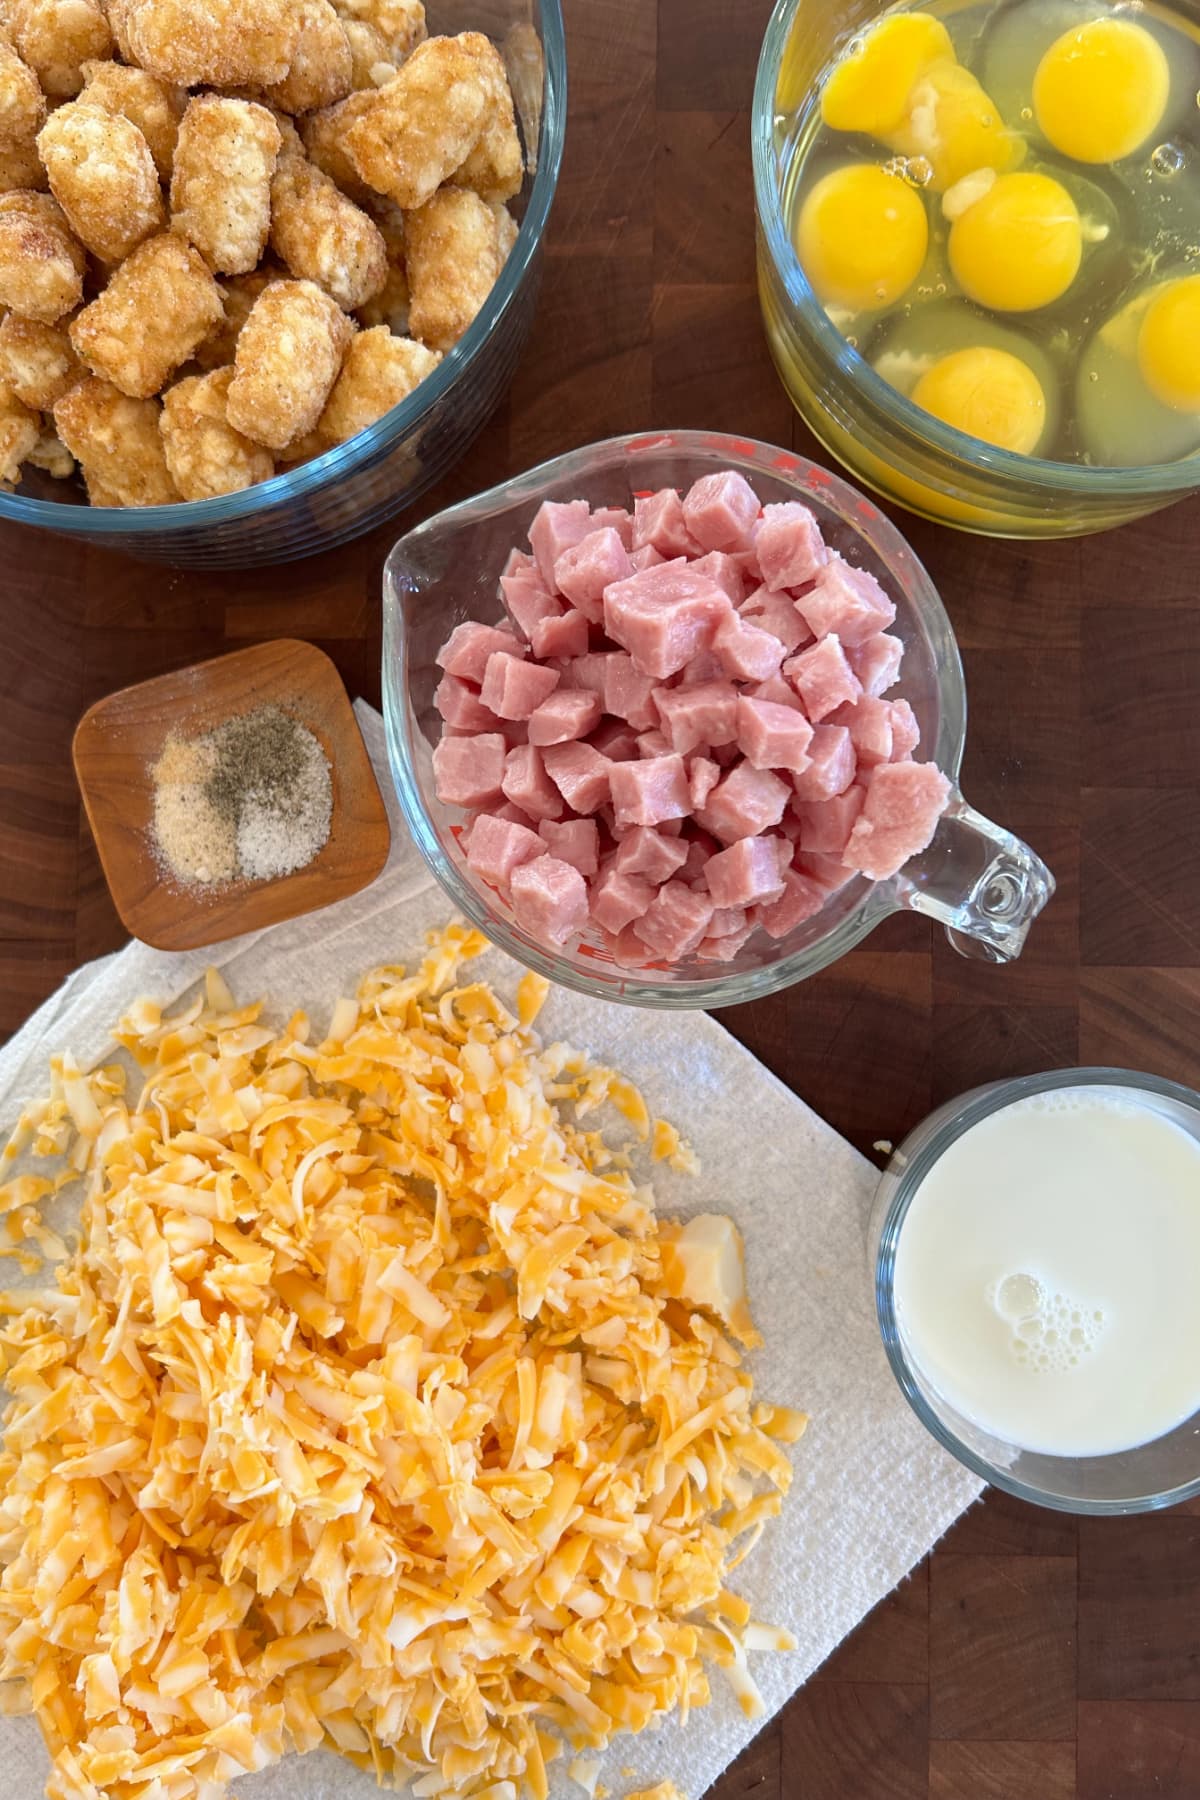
(872, 1492)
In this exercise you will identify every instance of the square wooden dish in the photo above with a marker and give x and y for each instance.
(118, 741)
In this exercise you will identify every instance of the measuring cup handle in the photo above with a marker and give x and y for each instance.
(982, 883)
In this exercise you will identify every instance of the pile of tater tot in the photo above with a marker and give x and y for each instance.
(234, 233)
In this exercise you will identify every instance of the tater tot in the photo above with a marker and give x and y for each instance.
(453, 259)
(324, 237)
(238, 293)
(20, 429)
(37, 361)
(160, 304)
(117, 443)
(22, 103)
(382, 34)
(416, 131)
(379, 371)
(390, 305)
(56, 38)
(322, 70)
(21, 167)
(51, 454)
(103, 176)
(41, 262)
(323, 132)
(150, 104)
(221, 188)
(213, 43)
(205, 455)
(288, 357)
(495, 168)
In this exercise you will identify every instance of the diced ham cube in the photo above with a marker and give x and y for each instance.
(823, 678)
(831, 764)
(616, 740)
(584, 571)
(580, 774)
(466, 650)
(801, 899)
(847, 601)
(617, 900)
(461, 706)
(772, 737)
(788, 544)
(776, 612)
(745, 802)
(617, 519)
(468, 771)
(549, 898)
(563, 634)
(706, 665)
(528, 786)
(746, 651)
(726, 571)
(664, 617)
(653, 743)
(720, 510)
(675, 922)
(825, 825)
(587, 672)
(514, 689)
(726, 921)
(648, 853)
(627, 692)
(650, 791)
(514, 815)
(749, 871)
(699, 848)
(876, 662)
(775, 689)
(647, 557)
(556, 526)
(574, 841)
(695, 717)
(726, 946)
(658, 520)
(869, 723)
(565, 715)
(829, 873)
(527, 599)
(627, 949)
(495, 847)
(906, 733)
(703, 776)
(903, 805)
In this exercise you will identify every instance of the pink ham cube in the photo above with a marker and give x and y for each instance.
(725, 946)
(825, 825)
(776, 612)
(847, 601)
(549, 898)
(574, 841)
(528, 786)
(775, 689)
(904, 803)
(726, 571)
(695, 717)
(468, 771)
(658, 521)
(664, 617)
(869, 723)
(557, 525)
(616, 740)
(650, 791)
(906, 733)
(876, 662)
(720, 510)
(749, 871)
(617, 900)
(495, 847)
(616, 519)
(584, 571)
(560, 635)
(699, 848)
(514, 689)
(706, 665)
(726, 921)
(823, 678)
(587, 671)
(527, 599)
(788, 544)
(565, 715)
(829, 873)
(747, 801)
(675, 921)
(466, 650)
(580, 774)
(461, 706)
(772, 737)
(831, 764)
(514, 815)
(653, 743)
(703, 776)
(647, 557)
(628, 693)
(801, 899)
(648, 853)
(746, 651)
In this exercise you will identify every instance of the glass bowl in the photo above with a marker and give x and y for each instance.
(982, 883)
(882, 438)
(344, 493)
(1154, 1475)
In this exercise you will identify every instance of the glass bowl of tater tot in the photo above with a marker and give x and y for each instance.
(266, 266)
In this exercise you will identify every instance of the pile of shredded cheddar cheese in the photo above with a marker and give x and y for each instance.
(374, 1407)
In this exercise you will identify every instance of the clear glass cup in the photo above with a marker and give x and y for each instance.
(881, 437)
(1158, 1474)
(356, 486)
(980, 882)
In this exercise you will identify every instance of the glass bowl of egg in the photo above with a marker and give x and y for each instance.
(979, 251)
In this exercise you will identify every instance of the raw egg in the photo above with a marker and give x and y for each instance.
(1100, 91)
(862, 237)
(1019, 246)
(954, 125)
(868, 87)
(1168, 345)
(1123, 417)
(989, 394)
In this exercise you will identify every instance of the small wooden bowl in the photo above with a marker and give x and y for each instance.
(118, 741)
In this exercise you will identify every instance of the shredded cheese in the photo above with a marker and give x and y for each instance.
(362, 1413)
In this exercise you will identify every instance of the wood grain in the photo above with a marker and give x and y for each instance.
(1030, 1659)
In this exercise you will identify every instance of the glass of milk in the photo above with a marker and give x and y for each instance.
(1036, 1249)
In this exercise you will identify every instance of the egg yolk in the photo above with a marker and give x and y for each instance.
(1168, 348)
(868, 87)
(953, 124)
(1102, 90)
(1019, 246)
(862, 237)
(989, 394)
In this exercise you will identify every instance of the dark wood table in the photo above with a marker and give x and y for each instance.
(1031, 1657)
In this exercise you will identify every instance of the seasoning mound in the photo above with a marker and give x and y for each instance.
(251, 800)
(371, 1410)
